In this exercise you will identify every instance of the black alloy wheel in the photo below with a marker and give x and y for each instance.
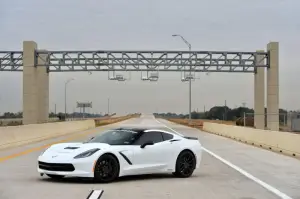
(55, 176)
(185, 164)
(106, 169)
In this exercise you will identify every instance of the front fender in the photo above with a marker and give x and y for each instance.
(124, 157)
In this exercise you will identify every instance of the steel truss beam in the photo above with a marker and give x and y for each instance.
(195, 61)
(11, 60)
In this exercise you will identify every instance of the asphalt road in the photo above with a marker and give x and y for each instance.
(214, 179)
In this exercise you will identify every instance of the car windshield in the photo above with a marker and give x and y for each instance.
(115, 137)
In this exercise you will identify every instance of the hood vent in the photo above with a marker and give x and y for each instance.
(69, 147)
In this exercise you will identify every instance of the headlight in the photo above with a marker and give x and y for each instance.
(86, 153)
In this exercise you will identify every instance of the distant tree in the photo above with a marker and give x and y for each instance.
(222, 113)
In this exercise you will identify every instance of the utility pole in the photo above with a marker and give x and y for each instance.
(66, 83)
(225, 111)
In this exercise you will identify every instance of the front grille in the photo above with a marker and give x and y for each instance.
(56, 166)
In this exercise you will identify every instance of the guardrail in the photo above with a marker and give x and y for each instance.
(278, 141)
(23, 134)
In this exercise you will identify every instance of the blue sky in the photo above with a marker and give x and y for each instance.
(148, 25)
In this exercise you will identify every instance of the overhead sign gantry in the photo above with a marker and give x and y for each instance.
(151, 62)
(198, 61)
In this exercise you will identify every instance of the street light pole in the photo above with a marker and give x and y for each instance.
(66, 96)
(190, 80)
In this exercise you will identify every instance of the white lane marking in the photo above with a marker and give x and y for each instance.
(243, 172)
(95, 194)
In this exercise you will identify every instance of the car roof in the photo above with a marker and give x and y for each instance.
(141, 130)
(138, 130)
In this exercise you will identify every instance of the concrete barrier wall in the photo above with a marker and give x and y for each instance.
(279, 141)
(17, 135)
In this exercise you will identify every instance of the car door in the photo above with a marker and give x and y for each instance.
(170, 149)
(151, 158)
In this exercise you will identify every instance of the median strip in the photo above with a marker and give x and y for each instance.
(98, 122)
(25, 152)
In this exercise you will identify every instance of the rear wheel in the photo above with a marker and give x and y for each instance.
(106, 169)
(185, 164)
(55, 176)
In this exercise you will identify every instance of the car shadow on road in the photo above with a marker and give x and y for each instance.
(119, 180)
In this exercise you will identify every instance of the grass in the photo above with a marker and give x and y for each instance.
(107, 121)
(198, 123)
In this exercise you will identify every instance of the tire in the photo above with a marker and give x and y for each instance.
(106, 169)
(55, 176)
(185, 164)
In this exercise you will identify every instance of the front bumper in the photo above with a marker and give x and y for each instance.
(72, 168)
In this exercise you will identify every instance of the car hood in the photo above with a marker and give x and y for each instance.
(74, 148)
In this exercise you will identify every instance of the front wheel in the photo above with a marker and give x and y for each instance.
(106, 169)
(185, 164)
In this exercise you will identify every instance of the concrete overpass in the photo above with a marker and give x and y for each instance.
(229, 169)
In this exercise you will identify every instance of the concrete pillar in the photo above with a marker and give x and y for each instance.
(35, 87)
(43, 90)
(273, 87)
(259, 94)
(29, 83)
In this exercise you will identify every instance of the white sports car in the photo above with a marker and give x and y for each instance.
(121, 152)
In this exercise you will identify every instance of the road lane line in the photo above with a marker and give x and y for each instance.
(240, 170)
(95, 194)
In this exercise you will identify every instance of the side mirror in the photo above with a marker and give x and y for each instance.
(147, 143)
(88, 140)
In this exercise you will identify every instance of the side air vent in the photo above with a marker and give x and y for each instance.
(72, 148)
(126, 158)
